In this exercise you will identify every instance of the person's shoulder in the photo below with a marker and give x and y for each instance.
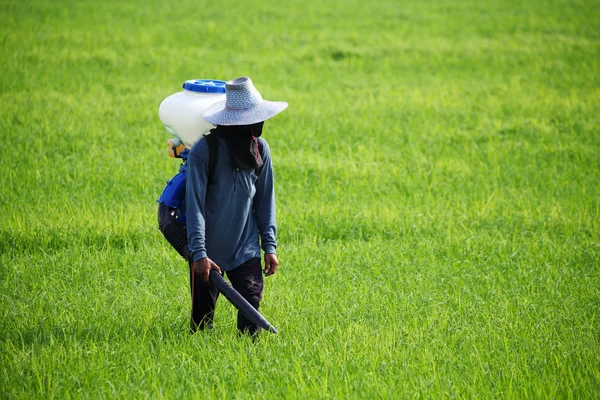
(263, 146)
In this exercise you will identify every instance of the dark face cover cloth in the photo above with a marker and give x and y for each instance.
(242, 143)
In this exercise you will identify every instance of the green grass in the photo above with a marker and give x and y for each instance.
(438, 182)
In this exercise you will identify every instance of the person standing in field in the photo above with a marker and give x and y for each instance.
(230, 204)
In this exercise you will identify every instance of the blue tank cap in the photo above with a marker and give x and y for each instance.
(204, 86)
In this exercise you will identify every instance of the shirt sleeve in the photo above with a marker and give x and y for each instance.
(264, 202)
(195, 200)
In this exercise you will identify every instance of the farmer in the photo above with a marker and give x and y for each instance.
(231, 214)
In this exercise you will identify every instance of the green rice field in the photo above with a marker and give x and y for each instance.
(438, 195)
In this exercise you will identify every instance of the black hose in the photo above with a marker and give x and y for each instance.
(172, 230)
(239, 302)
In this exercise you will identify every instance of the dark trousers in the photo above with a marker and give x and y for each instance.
(247, 279)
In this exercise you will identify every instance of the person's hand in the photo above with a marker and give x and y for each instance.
(203, 266)
(271, 264)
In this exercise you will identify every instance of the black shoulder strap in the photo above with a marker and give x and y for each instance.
(213, 155)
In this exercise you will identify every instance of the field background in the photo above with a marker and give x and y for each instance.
(438, 182)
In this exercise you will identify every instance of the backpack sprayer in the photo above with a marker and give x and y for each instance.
(181, 115)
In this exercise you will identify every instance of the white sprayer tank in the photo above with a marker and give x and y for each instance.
(181, 113)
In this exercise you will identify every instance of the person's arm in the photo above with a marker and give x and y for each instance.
(264, 202)
(195, 200)
(264, 207)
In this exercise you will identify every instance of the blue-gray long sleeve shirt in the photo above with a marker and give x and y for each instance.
(226, 219)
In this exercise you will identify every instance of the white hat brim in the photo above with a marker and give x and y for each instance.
(217, 113)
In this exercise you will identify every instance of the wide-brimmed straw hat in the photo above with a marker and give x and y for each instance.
(243, 105)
